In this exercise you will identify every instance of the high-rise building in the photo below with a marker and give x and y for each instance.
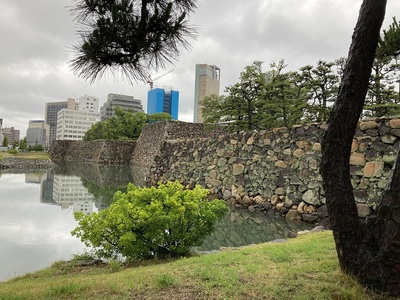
(36, 133)
(51, 111)
(12, 135)
(88, 103)
(1, 132)
(207, 79)
(125, 102)
(163, 100)
(73, 124)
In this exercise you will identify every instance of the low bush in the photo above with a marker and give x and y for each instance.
(13, 151)
(163, 221)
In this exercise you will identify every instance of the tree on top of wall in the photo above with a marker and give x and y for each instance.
(123, 125)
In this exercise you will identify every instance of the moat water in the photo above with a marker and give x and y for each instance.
(36, 216)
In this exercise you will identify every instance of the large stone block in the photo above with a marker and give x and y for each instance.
(357, 159)
(298, 153)
(373, 169)
(368, 125)
(293, 214)
(389, 139)
(363, 210)
(394, 123)
(237, 169)
(311, 197)
(280, 164)
(316, 147)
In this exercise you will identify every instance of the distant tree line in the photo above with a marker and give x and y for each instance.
(21, 145)
(277, 97)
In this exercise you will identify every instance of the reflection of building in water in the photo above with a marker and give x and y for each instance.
(46, 189)
(35, 177)
(69, 191)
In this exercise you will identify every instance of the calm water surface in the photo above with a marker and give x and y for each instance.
(36, 216)
(33, 233)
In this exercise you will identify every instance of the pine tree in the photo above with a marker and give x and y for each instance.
(133, 37)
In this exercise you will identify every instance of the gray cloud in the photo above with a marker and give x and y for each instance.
(36, 43)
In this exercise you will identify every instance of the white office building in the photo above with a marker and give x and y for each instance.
(73, 124)
(88, 103)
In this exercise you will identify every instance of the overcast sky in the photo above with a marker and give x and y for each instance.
(37, 38)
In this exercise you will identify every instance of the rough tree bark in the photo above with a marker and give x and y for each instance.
(368, 250)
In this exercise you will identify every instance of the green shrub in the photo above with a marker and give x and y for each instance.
(85, 255)
(162, 221)
(37, 148)
(13, 151)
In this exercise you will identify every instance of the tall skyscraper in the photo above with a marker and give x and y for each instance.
(207, 80)
(123, 101)
(163, 100)
(51, 111)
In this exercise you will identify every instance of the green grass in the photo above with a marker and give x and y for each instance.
(27, 155)
(302, 268)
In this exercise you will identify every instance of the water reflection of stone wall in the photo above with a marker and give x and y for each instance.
(103, 175)
(104, 152)
(241, 227)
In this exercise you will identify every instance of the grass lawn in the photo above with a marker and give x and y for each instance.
(302, 268)
(28, 155)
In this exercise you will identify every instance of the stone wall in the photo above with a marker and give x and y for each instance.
(277, 171)
(13, 165)
(153, 137)
(107, 152)
(274, 171)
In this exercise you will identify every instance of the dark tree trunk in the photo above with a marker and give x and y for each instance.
(370, 251)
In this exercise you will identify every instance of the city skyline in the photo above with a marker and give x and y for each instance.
(69, 102)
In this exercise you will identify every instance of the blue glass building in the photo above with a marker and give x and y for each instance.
(162, 100)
